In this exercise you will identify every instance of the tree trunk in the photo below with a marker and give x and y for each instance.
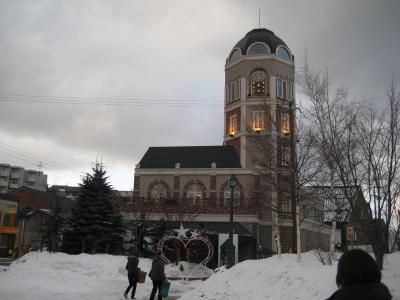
(278, 243)
(334, 214)
(298, 233)
(278, 235)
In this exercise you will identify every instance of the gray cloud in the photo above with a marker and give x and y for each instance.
(163, 50)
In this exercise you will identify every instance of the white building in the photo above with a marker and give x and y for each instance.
(14, 177)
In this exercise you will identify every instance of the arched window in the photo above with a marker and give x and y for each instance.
(158, 191)
(258, 49)
(195, 191)
(283, 52)
(258, 81)
(235, 55)
(227, 196)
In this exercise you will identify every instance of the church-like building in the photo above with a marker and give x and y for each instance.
(189, 184)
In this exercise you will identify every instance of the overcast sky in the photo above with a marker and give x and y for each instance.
(107, 79)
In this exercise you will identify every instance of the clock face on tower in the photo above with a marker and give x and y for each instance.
(258, 76)
(258, 82)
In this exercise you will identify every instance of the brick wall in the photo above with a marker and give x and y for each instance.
(26, 199)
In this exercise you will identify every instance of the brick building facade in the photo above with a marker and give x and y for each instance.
(258, 148)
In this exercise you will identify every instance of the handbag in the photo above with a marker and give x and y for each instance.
(142, 276)
(165, 285)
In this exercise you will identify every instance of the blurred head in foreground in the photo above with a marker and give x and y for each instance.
(355, 267)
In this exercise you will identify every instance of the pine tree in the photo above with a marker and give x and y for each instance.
(96, 224)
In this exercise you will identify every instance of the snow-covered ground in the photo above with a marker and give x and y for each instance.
(60, 276)
(284, 278)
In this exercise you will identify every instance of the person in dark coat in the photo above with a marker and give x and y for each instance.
(133, 275)
(157, 275)
(358, 277)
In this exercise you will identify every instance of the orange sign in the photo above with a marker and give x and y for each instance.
(9, 230)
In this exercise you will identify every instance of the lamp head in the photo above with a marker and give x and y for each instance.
(232, 181)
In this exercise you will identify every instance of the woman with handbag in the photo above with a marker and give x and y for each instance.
(157, 275)
(133, 275)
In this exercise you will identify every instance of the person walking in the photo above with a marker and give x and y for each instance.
(133, 275)
(358, 277)
(157, 275)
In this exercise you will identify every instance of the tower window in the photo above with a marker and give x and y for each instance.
(289, 88)
(233, 124)
(257, 121)
(285, 206)
(235, 55)
(284, 89)
(281, 51)
(257, 83)
(278, 88)
(285, 156)
(258, 48)
(285, 123)
(233, 91)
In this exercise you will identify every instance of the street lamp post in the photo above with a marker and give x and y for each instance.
(232, 181)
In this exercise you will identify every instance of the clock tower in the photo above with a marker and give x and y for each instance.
(259, 100)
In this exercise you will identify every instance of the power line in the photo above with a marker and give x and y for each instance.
(106, 101)
(15, 149)
(102, 98)
(31, 159)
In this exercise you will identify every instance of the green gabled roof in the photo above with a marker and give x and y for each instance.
(190, 157)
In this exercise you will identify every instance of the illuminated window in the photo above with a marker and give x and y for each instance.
(194, 194)
(233, 91)
(285, 123)
(257, 123)
(285, 156)
(233, 124)
(235, 55)
(257, 83)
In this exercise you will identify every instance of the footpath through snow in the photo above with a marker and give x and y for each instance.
(61, 276)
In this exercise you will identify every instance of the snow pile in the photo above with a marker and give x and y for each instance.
(61, 273)
(284, 278)
(61, 276)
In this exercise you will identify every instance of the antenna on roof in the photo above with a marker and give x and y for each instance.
(39, 165)
(259, 17)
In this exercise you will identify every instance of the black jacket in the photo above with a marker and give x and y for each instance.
(365, 291)
(132, 267)
(157, 270)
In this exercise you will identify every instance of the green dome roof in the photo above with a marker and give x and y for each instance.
(261, 35)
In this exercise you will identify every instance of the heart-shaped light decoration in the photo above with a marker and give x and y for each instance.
(186, 242)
